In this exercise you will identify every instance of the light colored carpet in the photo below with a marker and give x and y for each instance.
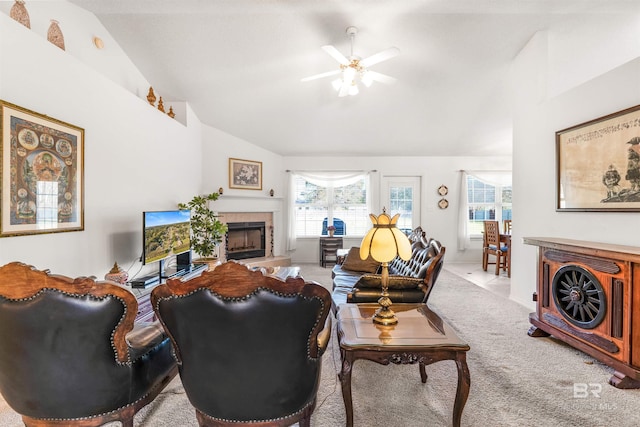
(516, 380)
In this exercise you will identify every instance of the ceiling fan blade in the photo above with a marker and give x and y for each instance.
(321, 75)
(382, 78)
(335, 54)
(380, 56)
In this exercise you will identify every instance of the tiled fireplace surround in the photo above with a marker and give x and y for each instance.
(266, 217)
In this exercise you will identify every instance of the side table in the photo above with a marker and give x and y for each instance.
(329, 247)
(420, 336)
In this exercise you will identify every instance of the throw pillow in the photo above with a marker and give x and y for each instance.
(354, 263)
(395, 282)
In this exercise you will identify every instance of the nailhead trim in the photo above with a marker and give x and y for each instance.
(97, 415)
(259, 421)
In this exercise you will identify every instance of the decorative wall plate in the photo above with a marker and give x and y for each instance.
(443, 190)
(443, 204)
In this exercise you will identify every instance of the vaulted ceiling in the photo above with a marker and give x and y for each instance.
(238, 63)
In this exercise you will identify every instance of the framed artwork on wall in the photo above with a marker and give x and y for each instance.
(42, 179)
(245, 174)
(598, 164)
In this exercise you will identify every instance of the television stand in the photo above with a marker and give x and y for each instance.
(143, 293)
(188, 272)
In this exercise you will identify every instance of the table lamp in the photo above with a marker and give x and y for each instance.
(383, 243)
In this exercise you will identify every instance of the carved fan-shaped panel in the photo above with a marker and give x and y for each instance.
(579, 296)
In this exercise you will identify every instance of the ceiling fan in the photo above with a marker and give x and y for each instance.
(354, 69)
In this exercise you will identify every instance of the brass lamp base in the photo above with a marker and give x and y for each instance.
(384, 315)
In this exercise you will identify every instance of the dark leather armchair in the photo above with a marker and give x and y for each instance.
(249, 346)
(69, 352)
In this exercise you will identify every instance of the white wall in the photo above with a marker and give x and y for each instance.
(136, 158)
(540, 111)
(440, 224)
(217, 148)
(78, 27)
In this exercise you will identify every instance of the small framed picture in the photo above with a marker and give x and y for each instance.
(42, 179)
(245, 174)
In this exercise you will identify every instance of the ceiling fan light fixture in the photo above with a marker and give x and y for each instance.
(348, 74)
(366, 79)
(353, 69)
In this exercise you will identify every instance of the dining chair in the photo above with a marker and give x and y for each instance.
(506, 224)
(497, 246)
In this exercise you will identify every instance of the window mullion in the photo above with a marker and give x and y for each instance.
(330, 204)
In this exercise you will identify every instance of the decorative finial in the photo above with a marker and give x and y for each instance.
(171, 113)
(151, 97)
(160, 105)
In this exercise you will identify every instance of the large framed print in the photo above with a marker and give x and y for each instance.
(42, 173)
(598, 164)
(245, 174)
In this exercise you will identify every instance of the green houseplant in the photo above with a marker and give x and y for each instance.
(207, 231)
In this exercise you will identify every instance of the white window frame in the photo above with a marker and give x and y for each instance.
(355, 226)
(497, 205)
(496, 178)
(389, 182)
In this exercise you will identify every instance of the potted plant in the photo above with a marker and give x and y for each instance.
(207, 231)
(331, 229)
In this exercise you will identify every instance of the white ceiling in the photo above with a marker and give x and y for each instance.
(238, 63)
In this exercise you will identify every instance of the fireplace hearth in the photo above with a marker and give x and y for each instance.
(245, 240)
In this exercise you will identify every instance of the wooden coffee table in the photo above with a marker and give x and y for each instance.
(420, 336)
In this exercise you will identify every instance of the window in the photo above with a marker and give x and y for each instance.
(486, 202)
(315, 204)
(403, 197)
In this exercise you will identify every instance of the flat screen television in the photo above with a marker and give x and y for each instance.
(165, 234)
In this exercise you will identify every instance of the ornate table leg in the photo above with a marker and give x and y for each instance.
(345, 381)
(423, 373)
(462, 392)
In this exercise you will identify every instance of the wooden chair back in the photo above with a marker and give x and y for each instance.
(492, 233)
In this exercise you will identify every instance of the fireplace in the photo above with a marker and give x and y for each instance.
(245, 240)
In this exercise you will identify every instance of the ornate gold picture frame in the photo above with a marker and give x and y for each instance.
(42, 173)
(598, 164)
(245, 174)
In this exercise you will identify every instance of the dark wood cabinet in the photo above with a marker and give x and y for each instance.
(329, 250)
(586, 294)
